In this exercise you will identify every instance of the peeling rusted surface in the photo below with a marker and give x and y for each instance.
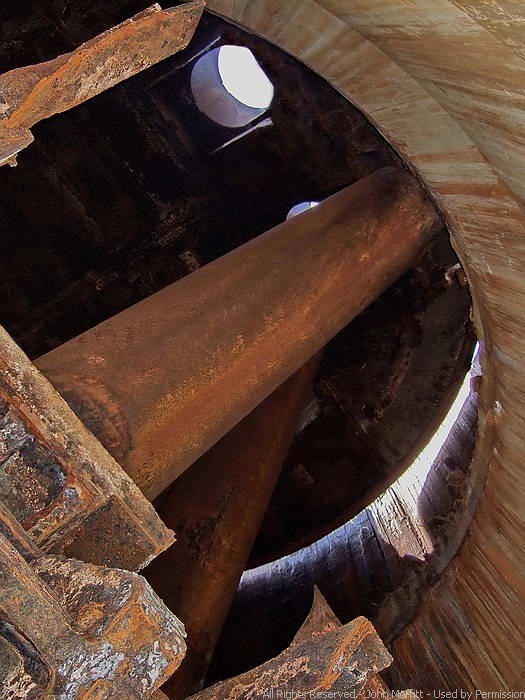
(67, 492)
(33, 93)
(341, 660)
(216, 508)
(375, 688)
(73, 630)
(14, 533)
(202, 353)
(321, 619)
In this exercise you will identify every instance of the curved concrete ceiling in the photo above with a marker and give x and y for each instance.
(444, 82)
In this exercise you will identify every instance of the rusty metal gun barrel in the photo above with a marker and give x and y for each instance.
(216, 508)
(163, 381)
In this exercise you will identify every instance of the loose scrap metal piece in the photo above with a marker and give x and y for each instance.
(33, 93)
(324, 657)
(322, 619)
(340, 660)
(71, 630)
(67, 492)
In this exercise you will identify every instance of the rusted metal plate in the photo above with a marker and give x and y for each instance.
(322, 619)
(73, 630)
(340, 660)
(203, 352)
(33, 93)
(67, 492)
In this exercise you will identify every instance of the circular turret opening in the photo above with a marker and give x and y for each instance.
(182, 164)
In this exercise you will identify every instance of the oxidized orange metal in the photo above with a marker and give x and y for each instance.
(339, 661)
(322, 619)
(33, 93)
(184, 366)
(216, 508)
(74, 630)
(68, 493)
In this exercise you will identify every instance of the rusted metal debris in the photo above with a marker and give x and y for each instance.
(322, 619)
(216, 508)
(67, 492)
(377, 689)
(33, 93)
(341, 660)
(324, 657)
(71, 630)
(203, 352)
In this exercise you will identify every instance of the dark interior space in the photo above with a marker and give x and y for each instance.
(157, 188)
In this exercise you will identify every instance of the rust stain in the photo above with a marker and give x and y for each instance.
(342, 659)
(69, 495)
(76, 630)
(33, 93)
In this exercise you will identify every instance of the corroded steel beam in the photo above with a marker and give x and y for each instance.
(216, 508)
(74, 630)
(33, 93)
(339, 661)
(59, 482)
(164, 380)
